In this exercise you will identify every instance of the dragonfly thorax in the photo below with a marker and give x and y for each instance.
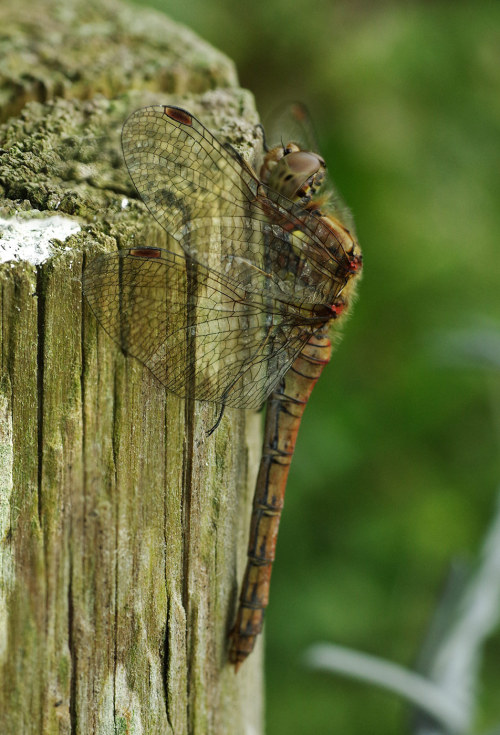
(294, 173)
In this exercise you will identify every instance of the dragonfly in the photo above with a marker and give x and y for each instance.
(243, 316)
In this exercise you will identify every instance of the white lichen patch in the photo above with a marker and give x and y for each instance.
(6, 486)
(30, 239)
(120, 707)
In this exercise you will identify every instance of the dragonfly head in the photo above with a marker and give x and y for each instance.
(293, 173)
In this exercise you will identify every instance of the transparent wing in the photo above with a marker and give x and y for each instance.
(212, 203)
(292, 122)
(197, 331)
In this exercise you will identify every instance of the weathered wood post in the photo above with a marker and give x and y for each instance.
(123, 526)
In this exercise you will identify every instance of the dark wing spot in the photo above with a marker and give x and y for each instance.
(299, 112)
(145, 253)
(179, 115)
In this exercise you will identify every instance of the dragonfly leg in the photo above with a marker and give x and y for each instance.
(284, 413)
(218, 420)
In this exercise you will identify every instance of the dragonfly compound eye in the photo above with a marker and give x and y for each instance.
(298, 174)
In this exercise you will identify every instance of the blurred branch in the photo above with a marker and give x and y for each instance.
(478, 348)
(455, 668)
(447, 693)
(414, 688)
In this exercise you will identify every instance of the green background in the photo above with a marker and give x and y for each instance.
(397, 466)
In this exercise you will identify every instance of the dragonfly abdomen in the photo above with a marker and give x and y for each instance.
(284, 413)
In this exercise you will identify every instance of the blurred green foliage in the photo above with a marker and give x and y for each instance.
(397, 460)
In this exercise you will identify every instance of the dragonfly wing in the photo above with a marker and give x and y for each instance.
(211, 202)
(291, 122)
(180, 169)
(198, 332)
